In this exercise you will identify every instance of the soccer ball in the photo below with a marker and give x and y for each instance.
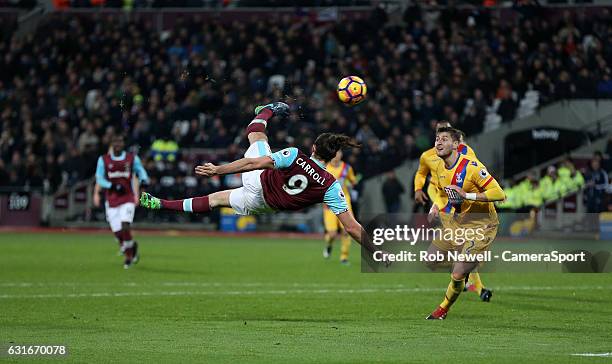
(352, 90)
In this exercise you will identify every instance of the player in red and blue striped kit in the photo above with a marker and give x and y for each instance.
(114, 174)
(285, 180)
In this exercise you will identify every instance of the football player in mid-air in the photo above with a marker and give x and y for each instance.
(114, 174)
(466, 192)
(285, 180)
(344, 174)
(427, 162)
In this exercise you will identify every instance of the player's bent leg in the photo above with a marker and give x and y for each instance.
(257, 127)
(119, 237)
(473, 283)
(433, 250)
(220, 199)
(256, 136)
(128, 245)
(126, 216)
(454, 289)
(462, 269)
(131, 246)
(114, 221)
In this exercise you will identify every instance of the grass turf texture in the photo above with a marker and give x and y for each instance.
(216, 299)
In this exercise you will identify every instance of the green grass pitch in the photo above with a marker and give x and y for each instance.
(230, 299)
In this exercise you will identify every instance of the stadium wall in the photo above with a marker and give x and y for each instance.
(575, 115)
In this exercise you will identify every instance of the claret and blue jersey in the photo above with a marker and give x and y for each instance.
(113, 169)
(101, 170)
(298, 181)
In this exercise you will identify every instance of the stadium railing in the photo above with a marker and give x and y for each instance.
(565, 213)
(69, 204)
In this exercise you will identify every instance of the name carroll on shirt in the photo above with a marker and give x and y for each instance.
(309, 170)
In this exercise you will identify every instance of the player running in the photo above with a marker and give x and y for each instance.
(285, 180)
(344, 174)
(466, 193)
(428, 160)
(114, 174)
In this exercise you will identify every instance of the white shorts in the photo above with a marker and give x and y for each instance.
(117, 215)
(249, 199)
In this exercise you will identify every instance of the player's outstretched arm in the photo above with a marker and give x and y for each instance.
(238, 166)
(355, 230)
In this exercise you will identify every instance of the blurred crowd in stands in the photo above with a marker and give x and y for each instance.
(129, 4)
(21, 4)
(192, 88)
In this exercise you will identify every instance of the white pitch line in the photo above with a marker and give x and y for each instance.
(265, 292)
(176, 284)
(602, 355)
(170, 284)
(190, 284)
(275, 284)
(194, 293)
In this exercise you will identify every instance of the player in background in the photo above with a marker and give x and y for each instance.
(114, 174)
(285, 180)
(427, 161)
(344, 174)
(466, 192)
